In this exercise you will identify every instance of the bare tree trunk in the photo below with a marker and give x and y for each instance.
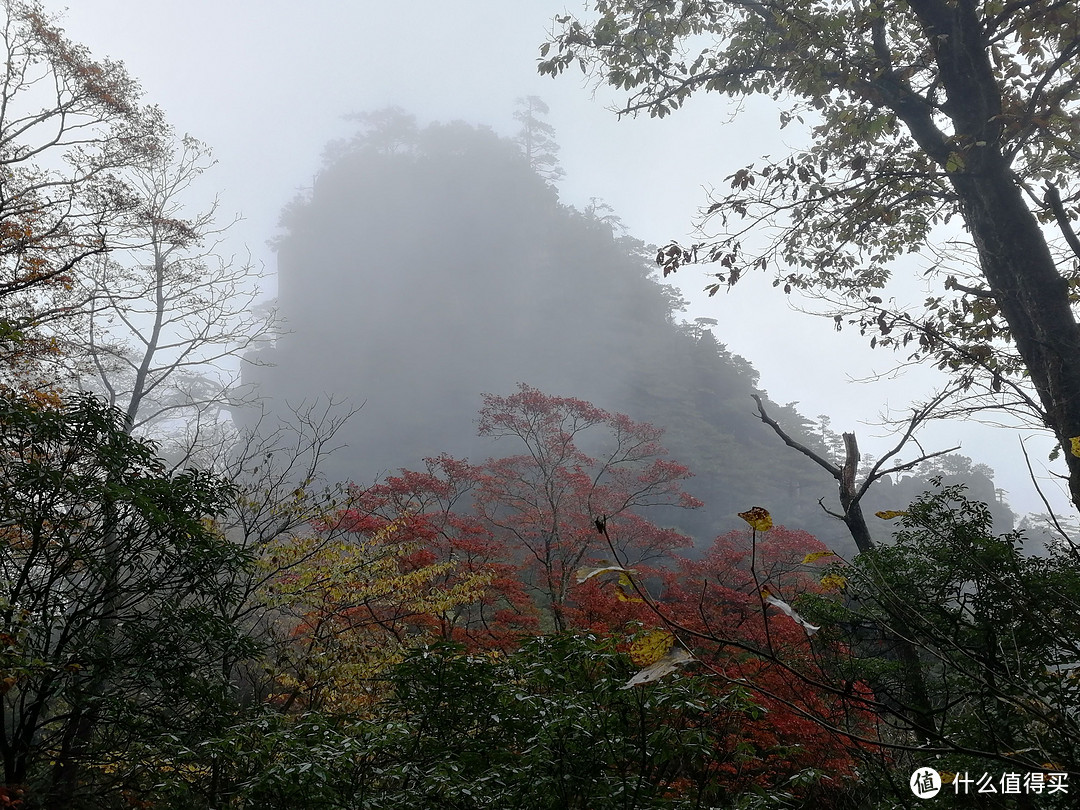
(918, 709)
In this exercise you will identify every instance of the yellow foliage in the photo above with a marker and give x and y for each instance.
(758, 517)
(833, 582)
(813, 556)
(889, 514)
(1074, 445)
(650, 647)
(348, 607)
(675, 658)
(625, 591)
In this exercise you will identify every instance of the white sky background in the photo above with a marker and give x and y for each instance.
(266, 82)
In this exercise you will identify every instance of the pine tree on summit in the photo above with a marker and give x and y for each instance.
(537, 138)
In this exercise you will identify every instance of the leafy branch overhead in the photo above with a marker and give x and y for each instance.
(915, 114)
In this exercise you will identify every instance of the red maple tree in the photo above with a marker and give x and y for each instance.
(743, 637)
(548, 501)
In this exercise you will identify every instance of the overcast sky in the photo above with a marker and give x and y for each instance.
(266, 82)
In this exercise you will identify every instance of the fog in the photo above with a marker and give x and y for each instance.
(431, 264)
(268, 85)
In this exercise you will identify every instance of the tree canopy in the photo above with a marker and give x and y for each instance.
(117, 593)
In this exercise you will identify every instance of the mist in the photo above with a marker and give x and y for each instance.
(431, 264)
(268, 119)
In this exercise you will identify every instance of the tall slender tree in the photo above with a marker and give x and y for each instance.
(167, 315)
(537, 138)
